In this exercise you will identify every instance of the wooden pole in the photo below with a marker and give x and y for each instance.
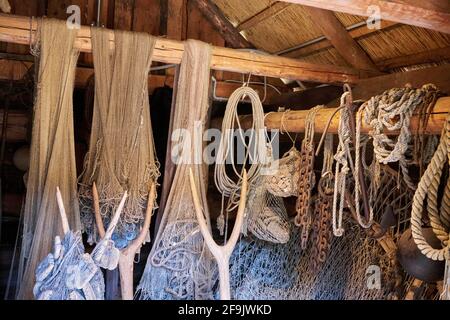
(294, 121)
(19, 29)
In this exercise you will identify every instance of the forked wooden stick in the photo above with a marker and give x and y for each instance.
(221, 253)
(126, 258)
(62, 211)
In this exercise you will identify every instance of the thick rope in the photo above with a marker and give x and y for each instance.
(428, 188)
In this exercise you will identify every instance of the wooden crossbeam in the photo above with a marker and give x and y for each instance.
(428, 56)
(221, 23)
(16, 70)
(324, 44)
(336, 33)
(294, 121)
(269, 12)
(16, 29)
(433, 17)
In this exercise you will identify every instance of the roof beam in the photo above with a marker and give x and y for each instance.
(229, 33)
(263, 15)
(324, 44)
(16, 29)
(336, 33)
(411, 12)
(428, 56)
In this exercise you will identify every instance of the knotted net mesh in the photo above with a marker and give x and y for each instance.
(179, 265)
(265, 270)
(121, 153)
(52, 154)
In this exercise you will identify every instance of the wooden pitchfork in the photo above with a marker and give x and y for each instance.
(221, 253)
(126, 258)
(65, 221)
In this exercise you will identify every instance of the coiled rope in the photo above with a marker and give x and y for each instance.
(428, 188)
(392, 110)
(256, 150)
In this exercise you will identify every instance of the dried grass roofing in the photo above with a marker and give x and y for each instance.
(292, 26)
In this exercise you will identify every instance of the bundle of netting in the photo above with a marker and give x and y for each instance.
(121, 152)
(356, 267)
(68, 273)
(179, 265)
(52, 153)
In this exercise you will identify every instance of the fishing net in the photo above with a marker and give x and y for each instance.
(179, 265)
(264, 270)
(68, 273)
(52, 155)
(121, 154)
(265, 214)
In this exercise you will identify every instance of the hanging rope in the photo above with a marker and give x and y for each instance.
(428, 189)
(392, 110)
(255, 151)
(342, 157)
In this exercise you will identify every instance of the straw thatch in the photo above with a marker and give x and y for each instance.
(293, 26)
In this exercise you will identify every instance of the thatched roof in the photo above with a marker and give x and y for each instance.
(292, 26)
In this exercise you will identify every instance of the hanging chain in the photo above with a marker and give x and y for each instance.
(307, 178)
(322, 230)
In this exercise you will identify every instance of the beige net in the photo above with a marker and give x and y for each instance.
(52, 156)
(121, 154)
(179, 265)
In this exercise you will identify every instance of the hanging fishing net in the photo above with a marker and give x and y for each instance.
(265, 214)
(264, 270)
(121, 153)
(179, 265)
(52, 155)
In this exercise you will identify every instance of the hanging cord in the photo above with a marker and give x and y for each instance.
(256, 150)
(381, 112)
(362, 223)
(342, 157)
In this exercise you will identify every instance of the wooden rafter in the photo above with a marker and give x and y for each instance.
(406, 12)
(221, 23)
(336, 33)
(263, 15)
(428, 56)
(356, 34)
(16, 29)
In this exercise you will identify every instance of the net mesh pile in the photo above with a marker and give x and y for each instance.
(264, 270)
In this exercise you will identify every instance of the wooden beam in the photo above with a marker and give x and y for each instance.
(440, 76)
(306, 99)
(324, 44)
(294, 121)
(336, 33)
(17, 125)
(269, 12)
(398, 11)
(221, 23)
(16, 29)
(429, 56)
(176, 19)
(16, 70)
